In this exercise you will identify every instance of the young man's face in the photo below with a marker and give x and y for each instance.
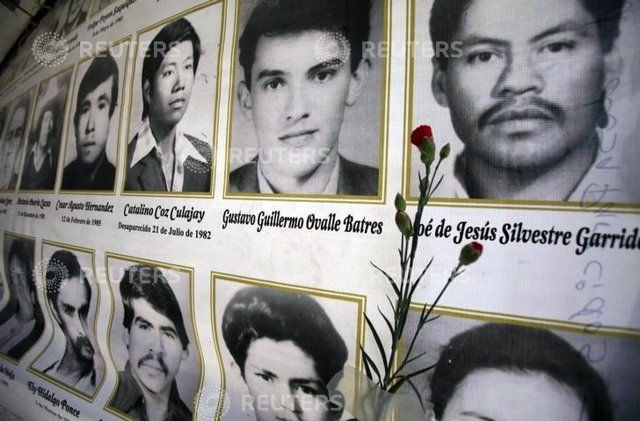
(297, 101)
(498, 395)
(155, 350)
(92, 130)
(284, 384)
(169, 96)
(528, 88)
(71, 309)
(45, 129)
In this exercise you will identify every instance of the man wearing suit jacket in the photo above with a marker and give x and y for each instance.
(161, 156)
(296, 92)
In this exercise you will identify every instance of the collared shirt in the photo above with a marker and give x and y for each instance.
(47, 156)
(330, 188)
(591, 189)
(86, 383)
(182, 150)
(130, 400)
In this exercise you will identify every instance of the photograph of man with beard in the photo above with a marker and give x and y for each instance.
(156, 340)
(96, 103)
(14, 135)
(70, 295)
(43, 150)
(23, 329)
(531, 96)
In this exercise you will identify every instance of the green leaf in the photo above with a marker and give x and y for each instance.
(426, 268)
(367, 369)
(381, 349)
(389, 278)
(372, 365)
(412, 359)
(421, 371)
(389, 325)
(417, 392)
(393, 307)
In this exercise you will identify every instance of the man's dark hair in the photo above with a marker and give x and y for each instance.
(102, 67)
(169, 36)
(53, 106)
(272, 18)
(254, 313)
(23, 251)
(63, 265)
(446, 17)
(521, 350)
(148, 283)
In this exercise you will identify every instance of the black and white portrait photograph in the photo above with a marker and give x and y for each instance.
(537, 99)
(72, 358)
(173, 95)
(281, 347)
(21, 320)
(524, 370)
(77, 12)
(94, 122)
(13, 139)
(153, 341)
(308, 94)
(45, 138)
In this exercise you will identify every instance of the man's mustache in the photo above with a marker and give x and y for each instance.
(530, 104)
(83, 342)
(157, 358)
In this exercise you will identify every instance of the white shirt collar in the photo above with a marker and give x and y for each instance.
(183, 149)
(47, 155)
(330, 188)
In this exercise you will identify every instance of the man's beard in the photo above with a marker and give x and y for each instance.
(84, 349)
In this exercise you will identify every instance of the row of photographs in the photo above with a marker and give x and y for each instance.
(271, 338)
(538, 112)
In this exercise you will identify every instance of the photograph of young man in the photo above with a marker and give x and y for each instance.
(287, 350)
(95, 104)
(296, 94)
(162, 157)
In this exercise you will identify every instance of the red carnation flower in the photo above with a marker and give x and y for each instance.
(418, 135)
(470, 253)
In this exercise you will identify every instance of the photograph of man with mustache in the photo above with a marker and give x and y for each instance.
(69, 296)
(157, 343)
(527, 94)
